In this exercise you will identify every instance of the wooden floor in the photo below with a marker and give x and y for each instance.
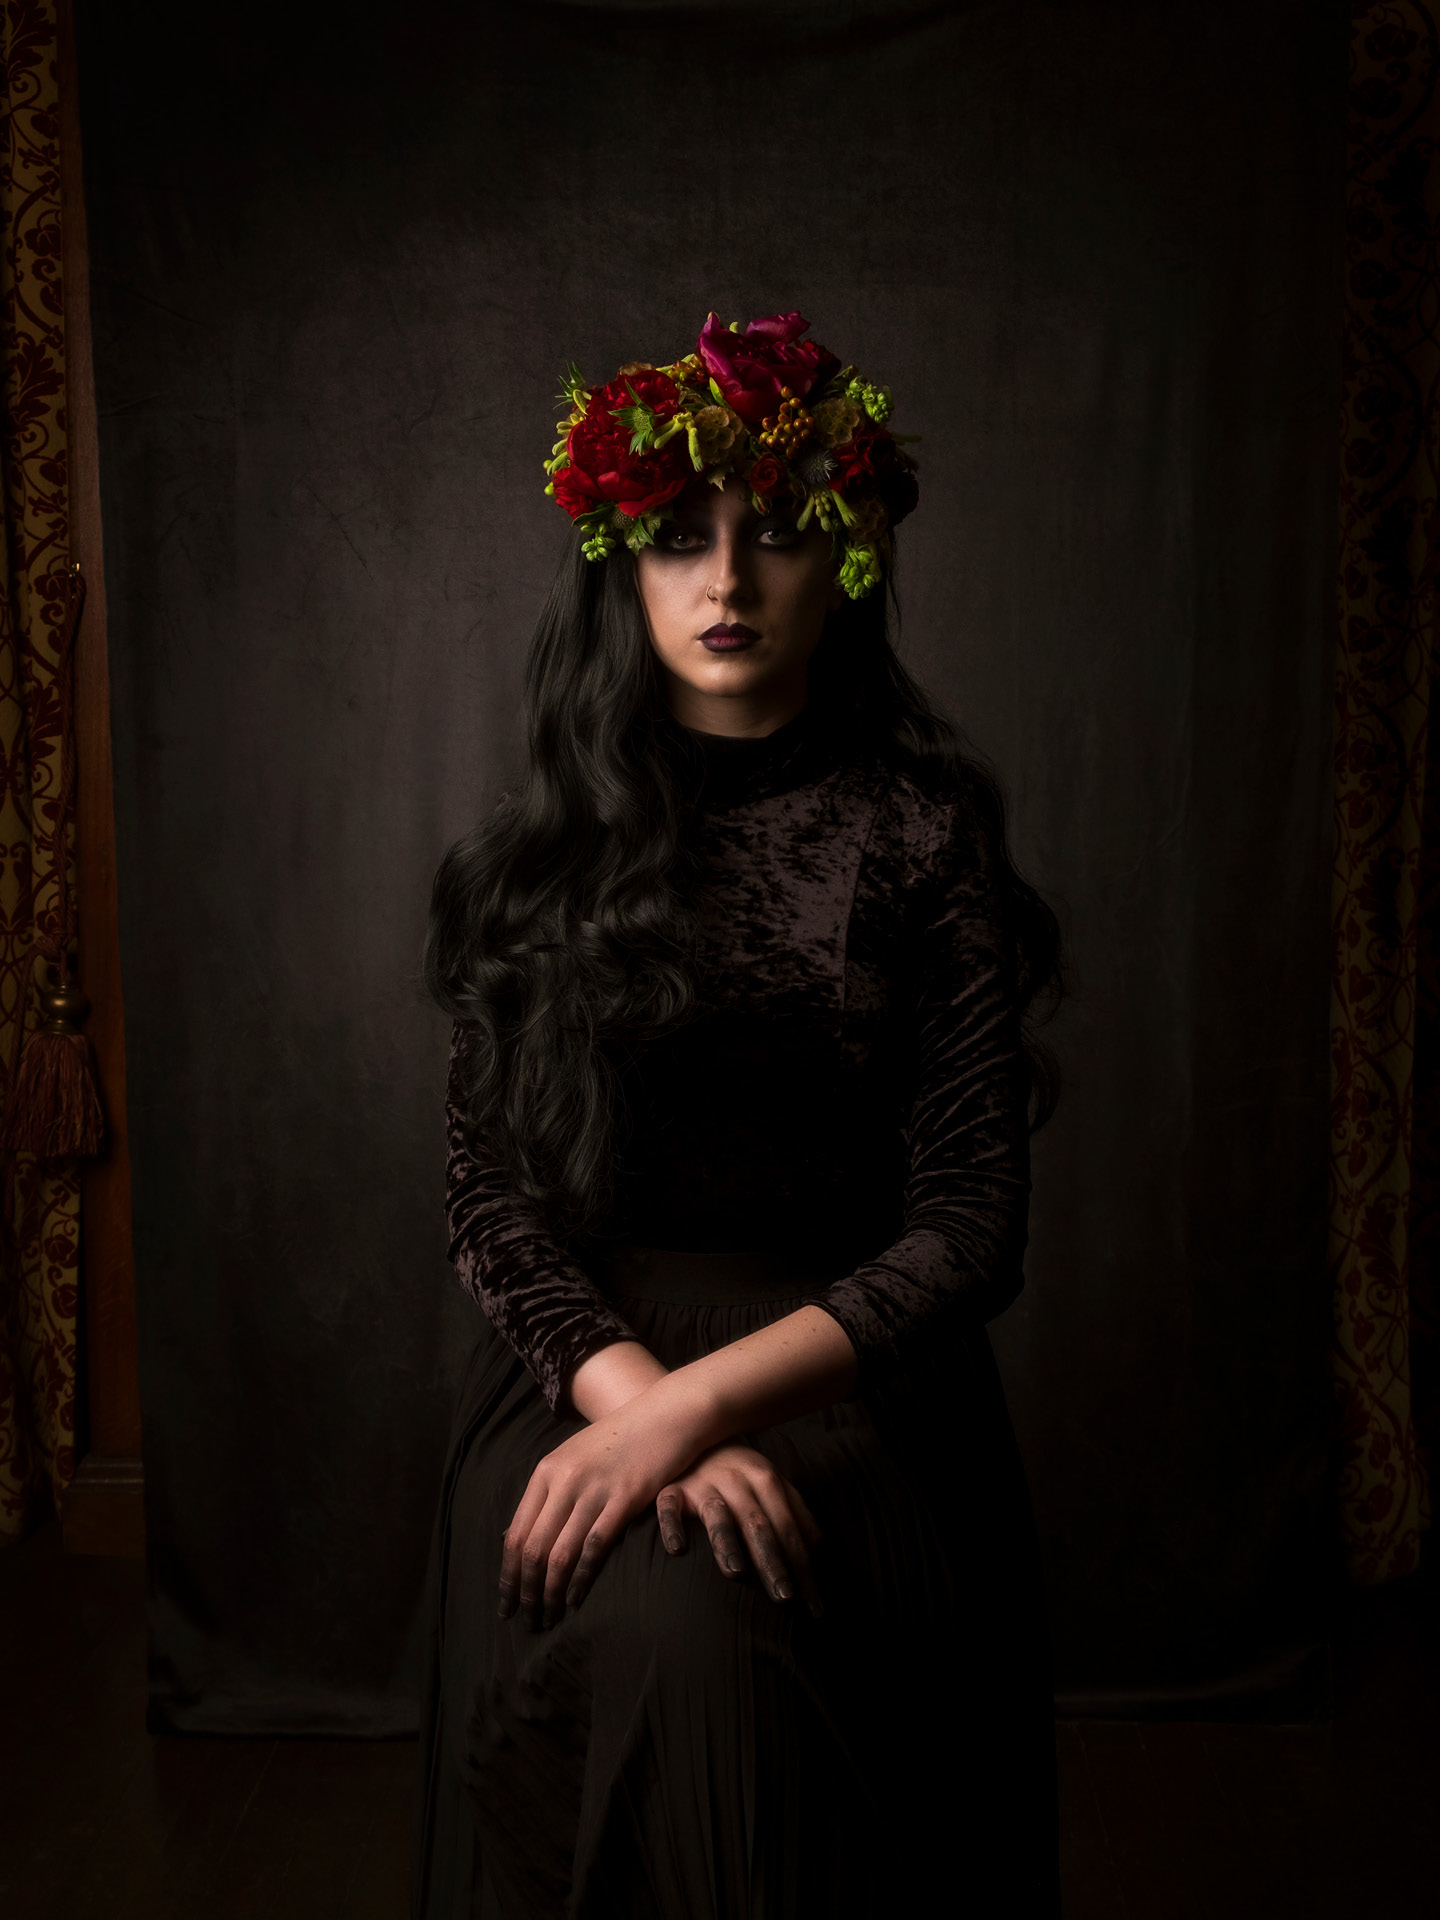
(98, 1821)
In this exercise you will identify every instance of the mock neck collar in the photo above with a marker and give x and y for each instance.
(738, 768)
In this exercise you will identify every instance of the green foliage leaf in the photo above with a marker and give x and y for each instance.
(642, 531)
(572, 387)
(639, 422)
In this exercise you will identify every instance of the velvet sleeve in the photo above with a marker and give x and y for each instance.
(967, 1185)
(530, 1289)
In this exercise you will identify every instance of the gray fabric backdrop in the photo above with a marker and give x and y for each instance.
(339, 260)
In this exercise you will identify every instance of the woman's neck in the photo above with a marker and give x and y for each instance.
(740, 716)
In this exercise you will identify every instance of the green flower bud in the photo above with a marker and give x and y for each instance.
(860, 571)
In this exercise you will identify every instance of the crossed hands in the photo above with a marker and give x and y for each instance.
(582, 1496)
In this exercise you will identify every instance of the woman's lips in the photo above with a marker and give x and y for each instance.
(723, 639)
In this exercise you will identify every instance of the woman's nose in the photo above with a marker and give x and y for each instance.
(729, 577)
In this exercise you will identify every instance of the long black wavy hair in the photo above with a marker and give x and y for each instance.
(560, 929)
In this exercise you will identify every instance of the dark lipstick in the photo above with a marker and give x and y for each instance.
(731, 639)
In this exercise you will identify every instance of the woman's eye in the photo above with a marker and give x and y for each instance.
(679, 540)
(777, 536)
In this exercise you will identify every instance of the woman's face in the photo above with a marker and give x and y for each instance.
(735, 604)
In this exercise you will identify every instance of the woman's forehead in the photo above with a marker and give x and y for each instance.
(701, 501)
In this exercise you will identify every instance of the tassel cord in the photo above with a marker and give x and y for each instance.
(53, 1107)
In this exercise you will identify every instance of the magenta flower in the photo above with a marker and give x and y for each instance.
(750, 368)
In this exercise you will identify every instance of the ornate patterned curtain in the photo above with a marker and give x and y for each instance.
(40, 1208)
(1384, 1215)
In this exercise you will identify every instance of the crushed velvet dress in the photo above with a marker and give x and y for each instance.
(842, 1120)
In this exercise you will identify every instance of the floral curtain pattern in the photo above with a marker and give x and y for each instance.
(1383, 1003)
(40, 1211)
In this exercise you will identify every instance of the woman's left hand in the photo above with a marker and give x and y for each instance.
(582, 1496)
(751, 1515)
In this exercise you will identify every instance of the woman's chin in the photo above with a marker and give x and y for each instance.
(747, 670)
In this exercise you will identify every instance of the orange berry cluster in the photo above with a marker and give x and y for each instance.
(789, 429)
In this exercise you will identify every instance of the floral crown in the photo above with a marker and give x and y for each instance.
(806, 435)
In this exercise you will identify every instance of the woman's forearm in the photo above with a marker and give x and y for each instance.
(791, 1367)
(788, 1368)
(776, 1373)
(611, 1377)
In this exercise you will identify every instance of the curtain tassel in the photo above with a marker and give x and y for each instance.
(55, 1110)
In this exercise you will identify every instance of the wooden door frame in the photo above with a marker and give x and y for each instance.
(102, 1511)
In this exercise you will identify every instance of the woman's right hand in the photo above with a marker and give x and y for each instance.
(752, 1516)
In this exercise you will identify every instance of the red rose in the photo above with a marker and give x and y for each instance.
(766, 474)
(603, 471)
(574, 492)
(862, 461)
(872, 463)
(750, 368)
(652, 388)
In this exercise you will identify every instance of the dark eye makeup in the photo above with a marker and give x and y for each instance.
(773, 533)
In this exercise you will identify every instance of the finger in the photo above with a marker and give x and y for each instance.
(789, 1516)
(535, 1555)
(565, 1553)
(670, 1510)
(597, 1544)
(774, 1497)
(806, 1520)
(780, 1501)
(532, 1504)
(716, 1518)
(765, 1551)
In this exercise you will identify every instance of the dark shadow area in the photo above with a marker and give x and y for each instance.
(1160, 1821)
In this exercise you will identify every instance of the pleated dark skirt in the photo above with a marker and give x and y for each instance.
(685, 1748)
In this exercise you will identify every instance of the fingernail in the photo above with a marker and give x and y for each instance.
(784, 1590)
(573, 1598)
(507, 1607)
(548, 1620)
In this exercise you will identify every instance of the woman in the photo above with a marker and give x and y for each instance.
(739, 1610)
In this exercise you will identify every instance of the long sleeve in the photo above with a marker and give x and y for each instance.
(968, 1181)
(529, 1288)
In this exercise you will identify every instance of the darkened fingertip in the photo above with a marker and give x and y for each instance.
(507, 1606)
(784, 1590)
